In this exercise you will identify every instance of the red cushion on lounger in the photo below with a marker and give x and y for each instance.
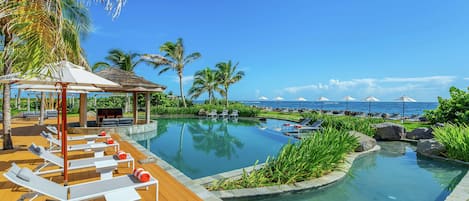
(136, 171)
(110, 141)
(143, 176)
(103, 133)
(121, 155)
(297, 126)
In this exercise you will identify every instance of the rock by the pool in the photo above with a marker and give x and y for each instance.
(389, 131)
(420, 133)
(366, 142)
(430, 147)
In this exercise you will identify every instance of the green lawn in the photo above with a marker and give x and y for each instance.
(409, 126)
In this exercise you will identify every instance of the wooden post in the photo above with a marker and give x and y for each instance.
(64, 132)
(83, 110)
(42, 110)
(135, 112)
(147, 107)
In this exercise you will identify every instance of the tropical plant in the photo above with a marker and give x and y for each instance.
(174, 58)
(455, 109)
(36, 33)
(205, 81)
(310, 158)
(456, 140)
(119, 59)
(348, 123)
(227, 76)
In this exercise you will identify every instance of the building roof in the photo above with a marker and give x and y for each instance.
(129, 81)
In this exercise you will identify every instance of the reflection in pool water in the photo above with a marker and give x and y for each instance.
(394, 173)
(203, 147)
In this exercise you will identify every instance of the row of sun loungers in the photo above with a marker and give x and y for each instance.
(393, 116)
(298, 130)
(224, 114)
(109, 187)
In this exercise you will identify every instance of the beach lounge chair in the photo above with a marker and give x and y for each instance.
(89, 138)
(234, 114)
(212, 114)
(122, 187)
(313, 127)
(224, 114)
(52, 159)
(54, 145)
(289, 127)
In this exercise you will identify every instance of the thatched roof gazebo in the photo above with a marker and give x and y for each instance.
(131, 83)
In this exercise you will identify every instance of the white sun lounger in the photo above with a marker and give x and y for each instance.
(54, 144)
(52, 159)
(120, 186)
(89, 138)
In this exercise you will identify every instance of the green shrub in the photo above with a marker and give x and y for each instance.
(348, 123)
(243, 110)
(309, 158)
(456, 140)
(455, 109)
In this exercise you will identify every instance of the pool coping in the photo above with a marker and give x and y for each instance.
(199, 190)
(316, 183)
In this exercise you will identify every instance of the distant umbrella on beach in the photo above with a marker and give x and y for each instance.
(347, 99)
(322, 99)
(278, 98)
(301, 99)
(370, 99)
(405, 99)
(263, 98)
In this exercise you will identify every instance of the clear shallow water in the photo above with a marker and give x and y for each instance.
(203, 147)
(394, 173)
(382, 107)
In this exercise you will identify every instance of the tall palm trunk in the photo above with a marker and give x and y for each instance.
(42, 111)
(181, 89)
(210, 97)
(226, 96)
(7, 69)
(18, 100)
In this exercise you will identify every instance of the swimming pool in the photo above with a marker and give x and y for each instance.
(393, 173)
(204, 147)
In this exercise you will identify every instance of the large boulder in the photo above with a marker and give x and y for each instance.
(420, 133)
(430, 147)
(389, 131)
(365, 142)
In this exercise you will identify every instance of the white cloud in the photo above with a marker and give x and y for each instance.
(467, 78)
(389, 86)
(437, 79)
(185, 79)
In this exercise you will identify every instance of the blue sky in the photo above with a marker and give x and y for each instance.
(301, 48)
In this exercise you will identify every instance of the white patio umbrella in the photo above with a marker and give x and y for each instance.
(322, 99)
(370, 99)
(347, 99)
(278, 98)
(65, 75)
(405, 99)
(263, 98)
(301, 99)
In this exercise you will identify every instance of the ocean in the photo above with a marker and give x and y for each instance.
(411, 108)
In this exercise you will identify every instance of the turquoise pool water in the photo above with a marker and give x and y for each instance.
(394, 173)
(203, 147)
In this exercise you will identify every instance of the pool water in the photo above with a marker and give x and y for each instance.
(394, 173)
(204, 147)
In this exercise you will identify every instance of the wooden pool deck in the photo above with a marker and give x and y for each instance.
(25, 132)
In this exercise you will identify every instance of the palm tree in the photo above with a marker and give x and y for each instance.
(173, 59)
(119, 59)
(36, 33)
(227, 76)
(205, 81)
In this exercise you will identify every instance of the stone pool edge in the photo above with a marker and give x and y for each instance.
(326, 180)
(199, 190)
